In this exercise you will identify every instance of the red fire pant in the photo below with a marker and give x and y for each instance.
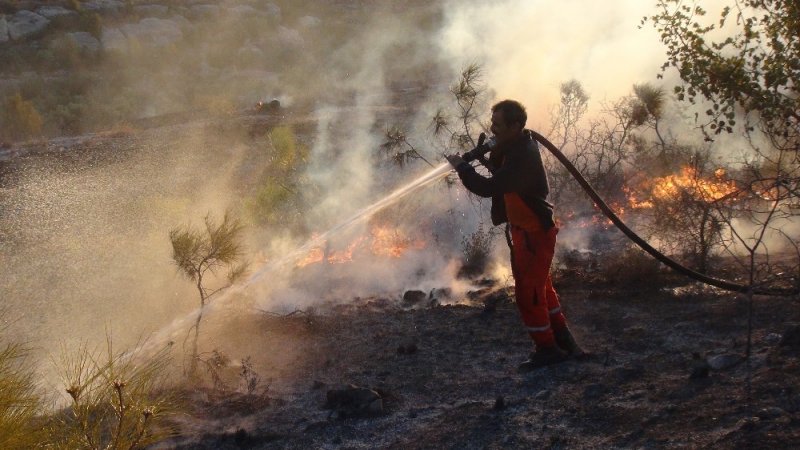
(537, 300)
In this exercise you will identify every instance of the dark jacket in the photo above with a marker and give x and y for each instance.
(519, 169)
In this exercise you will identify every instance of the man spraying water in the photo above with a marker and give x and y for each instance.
(518, 187)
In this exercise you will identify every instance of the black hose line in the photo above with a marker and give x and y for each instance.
(716, 282)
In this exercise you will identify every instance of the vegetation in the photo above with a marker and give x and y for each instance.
(116, 402)
(20, 402)
(21, 120)
(200, 254)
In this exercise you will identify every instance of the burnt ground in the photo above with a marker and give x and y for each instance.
(665, 372)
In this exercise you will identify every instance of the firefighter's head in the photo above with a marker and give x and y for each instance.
(508, 120)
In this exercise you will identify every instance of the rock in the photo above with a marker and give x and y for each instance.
(85, 41)
(114, 39)
(103, 6)
(499, 403)
(723, 362)
(772, 339)
(26, 23)
(413, 297)
(290, 38)
(770, 412)
(244, 11)
(273, 10)
(204, 11)
(153, 31)
(309, 22)
(51, 12)
(3, 29)
(354, 401)
(151, 10)
(700, 367)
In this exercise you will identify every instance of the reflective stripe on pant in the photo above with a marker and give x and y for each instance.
(537, 300)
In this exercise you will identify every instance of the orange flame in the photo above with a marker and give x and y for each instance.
(383, 241)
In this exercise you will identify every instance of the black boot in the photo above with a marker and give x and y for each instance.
(542, 357)
(566, 342)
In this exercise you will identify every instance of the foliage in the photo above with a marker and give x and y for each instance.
(476, 249)
(287, 152)
(117, 400)
(19, 400)
(202, 253)
(20, 118)
(753, 68)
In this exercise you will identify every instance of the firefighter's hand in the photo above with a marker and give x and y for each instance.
(454, 160)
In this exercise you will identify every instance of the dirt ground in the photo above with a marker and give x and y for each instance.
(666, 371)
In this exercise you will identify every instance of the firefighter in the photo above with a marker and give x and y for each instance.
(518, 187)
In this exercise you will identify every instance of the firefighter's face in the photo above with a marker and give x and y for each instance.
(503, 131)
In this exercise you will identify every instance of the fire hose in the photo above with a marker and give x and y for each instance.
(630, 234)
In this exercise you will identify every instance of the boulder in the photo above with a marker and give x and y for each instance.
(112, 39)
(413, 297)
(273, 10)
(723, 362)
(26, 23)
(290, 38)
(153, 31)
(151, 10)
(204, 11)
(3, 29)
(84, 41)
(52, 12)
(103, 6)
(309, 22)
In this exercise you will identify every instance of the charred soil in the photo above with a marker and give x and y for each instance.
(666, 370)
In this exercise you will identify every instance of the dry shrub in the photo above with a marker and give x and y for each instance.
(117, 400)
(476, 249)
(631, 267)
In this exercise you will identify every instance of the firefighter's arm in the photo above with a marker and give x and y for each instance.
(502, 181)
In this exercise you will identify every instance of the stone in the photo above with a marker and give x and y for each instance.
(113, 39)
(273, 10)
(354, 401)
(772, 339)
(770, 412)
(290, 38)
(103, 6)
(204, 11)
(413, 297)
(52, 12)
(244, 11)
(84, 41)
(151, 10)
(723, 362)
(153, 31)
(309, 22)
(25, 23)
(3, 29)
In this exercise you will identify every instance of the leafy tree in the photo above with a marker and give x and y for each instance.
(753, 68)
(200, 254)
